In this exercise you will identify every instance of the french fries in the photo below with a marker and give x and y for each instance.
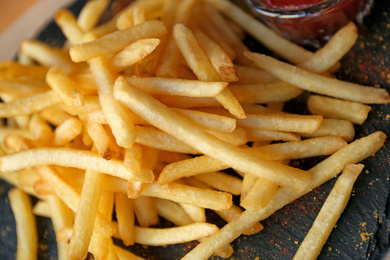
(162, 111)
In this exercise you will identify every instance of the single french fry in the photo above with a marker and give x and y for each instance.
(61, 217)
(196, 213)
(202, 67)
(330, 212)
(125, 215)
(90, 14)
(133, 157)
(100, 243)
(40, 130)
(22, 87)
(264, 92)
(262, 33)
(67, 22)
(251, 75)
(121, 124)
(47, 55)
(218, 58)
(71, 158)
(116, 41)
(153, 137)
(101, 140)
(26, 230)
(175, 235)
(327, 169)
(209, 121)
(85, 215)
(340, 109)
(180, 87)
(145, 211)
(172, 212)
(152, 110)
(256, 135)
(29, 105)
(329, 55)
(67, 131)
(221, 181)
(337, 127)
(328, 86)
(90, 103)
(41, 209)
(15, 69)
(64, 87)
(132, 54)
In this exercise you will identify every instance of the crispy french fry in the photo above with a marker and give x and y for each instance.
(125, 216)
(101, 140)
(329, 86)
(132, 54)
(67, 131)
(117, 40)
(90, 14)
(330, 212)
(71, 158)
(175, 235)
(145, 211)
(27, 235)
(121, 124)
(180, 87)
(340, 109)
(69, 26)
(172, 212)
(29, 105)
(327, 56)
(337, 127)
(85, 215)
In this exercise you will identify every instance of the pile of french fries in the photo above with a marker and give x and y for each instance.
(137, 119)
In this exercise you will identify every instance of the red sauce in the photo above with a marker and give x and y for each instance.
(315, 27)
(290, 4)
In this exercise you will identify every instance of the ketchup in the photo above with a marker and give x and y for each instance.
(290, 4)
(310, 22)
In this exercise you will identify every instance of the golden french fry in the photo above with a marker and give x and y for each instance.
(218, 58)
(120, 122)
(282, 122)
(125, 255)
(337, 127)
(255, 135)
(153, 111)
(330, 212)
(85, 215)
(90, 14)
(175, 235)
(328, 86)
(125, 216)
(61, 217)
(221, 181)
(71, 158)
(69, 26)
(132, 54)
(259, 195)
(64, 87)
(340, 109)
(47, 55)
(29, 105)
(27, 235)
(172, 212)
(133, 157)
(116, 41)
(264, 92)
(329, 55)
(145, 211)
(67, 131)
(22, 87)
(101, 140)
(55, 115)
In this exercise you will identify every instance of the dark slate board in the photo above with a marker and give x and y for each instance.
(363, 231)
